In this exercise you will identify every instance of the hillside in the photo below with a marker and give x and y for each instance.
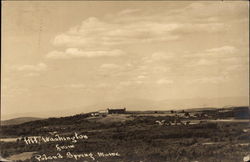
(217, 135)
(17, 121)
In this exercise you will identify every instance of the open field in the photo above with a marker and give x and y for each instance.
(215, 137)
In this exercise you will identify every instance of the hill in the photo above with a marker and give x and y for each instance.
(17, 121)
(133, 137)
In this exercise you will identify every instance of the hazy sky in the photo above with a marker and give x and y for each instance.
(61, 55)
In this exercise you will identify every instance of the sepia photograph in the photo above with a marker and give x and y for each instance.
(125, 81)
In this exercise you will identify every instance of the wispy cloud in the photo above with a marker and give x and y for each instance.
(141, 77)
(164, 81)
(125, 83)
(110, 66)
(209, 79)
(128, 11)
(216, 52)
(224, 55)
(32, 74)
(223, 49)
(103, 85)
(237, 68)
(204, 62)
(37, 67)
(72, 86)
(78, 53)
(158, 56)
(94, 32)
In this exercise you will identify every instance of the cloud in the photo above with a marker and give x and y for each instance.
(210, 79)
(125, 83)
(223, 49)
(116, 70)
(237, 69)
(210, 27)
(94, 32)
(110, 66)
(138, 82)
(141, 77)
(161, 69)
(77, 86)
(78, 53)
(130, 83)
(32, 74)
(158, 56)
(73, 86)
(128, 11)
(236, 61)
(224, 55)
(164, 81)
(204, 62)
(128, 28)
(103, 85)
(112, 70)
(211, 11)
(134, 26)
(38, 67)
(13, 91)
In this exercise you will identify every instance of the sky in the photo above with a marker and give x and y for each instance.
(61, 58)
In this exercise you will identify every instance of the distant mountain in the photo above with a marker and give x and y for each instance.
(21, 120)
(138, 104)
(171, 104)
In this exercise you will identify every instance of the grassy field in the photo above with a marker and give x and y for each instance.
(135, 137)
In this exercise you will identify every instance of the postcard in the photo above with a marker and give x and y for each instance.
(125, 81)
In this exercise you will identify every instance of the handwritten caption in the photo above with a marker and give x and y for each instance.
(56, 138)
(68, 155)
(74, 156)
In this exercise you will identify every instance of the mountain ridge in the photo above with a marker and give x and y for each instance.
(141, 105)
(19, 120)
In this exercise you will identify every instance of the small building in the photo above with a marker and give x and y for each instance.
(95, 114)
(103, 111)
(116, 111)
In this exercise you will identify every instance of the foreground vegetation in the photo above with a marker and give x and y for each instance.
(139, 139)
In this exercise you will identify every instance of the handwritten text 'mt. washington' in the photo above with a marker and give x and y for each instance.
(56, 138)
